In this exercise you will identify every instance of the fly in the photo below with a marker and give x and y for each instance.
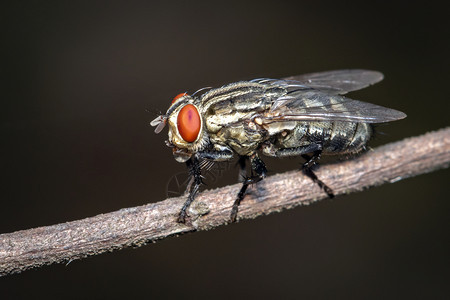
(303, 115)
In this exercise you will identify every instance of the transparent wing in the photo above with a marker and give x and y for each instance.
(336, 82)
(320, 106)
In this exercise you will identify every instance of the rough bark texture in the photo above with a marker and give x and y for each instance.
(136, 226)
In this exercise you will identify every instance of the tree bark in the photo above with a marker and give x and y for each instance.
(137, 226)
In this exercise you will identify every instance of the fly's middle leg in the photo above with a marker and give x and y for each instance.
(242, 168)
(259, 168)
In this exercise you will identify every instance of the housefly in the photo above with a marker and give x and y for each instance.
(303, 115)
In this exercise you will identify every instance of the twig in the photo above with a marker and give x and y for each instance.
(136, 226)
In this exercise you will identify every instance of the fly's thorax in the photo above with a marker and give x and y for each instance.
(237, 102)
(186, 128)
(231, 114)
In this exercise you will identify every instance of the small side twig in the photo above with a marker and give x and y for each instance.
(136, 226)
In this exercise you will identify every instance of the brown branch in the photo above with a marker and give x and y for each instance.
(136, 226)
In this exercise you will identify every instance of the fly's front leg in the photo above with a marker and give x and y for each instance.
(193, 165)
(195, 173)
(259, 168)
(307, 169)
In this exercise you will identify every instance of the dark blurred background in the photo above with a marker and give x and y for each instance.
(76, 142)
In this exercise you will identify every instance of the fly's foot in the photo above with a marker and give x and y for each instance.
(182, 217)
(240, 196)
(234, 211)
(328, 191)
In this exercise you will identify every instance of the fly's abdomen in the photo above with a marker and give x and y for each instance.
(346, 138)
(335, 138)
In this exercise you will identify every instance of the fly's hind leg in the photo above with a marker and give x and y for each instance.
(316, 150)
(259, 168)
(307, 169)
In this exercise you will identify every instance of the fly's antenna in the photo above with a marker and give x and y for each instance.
(159, 122)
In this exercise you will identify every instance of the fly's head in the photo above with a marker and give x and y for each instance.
(186, 133)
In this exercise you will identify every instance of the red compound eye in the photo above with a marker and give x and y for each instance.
(188, 122)
(178, 97)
